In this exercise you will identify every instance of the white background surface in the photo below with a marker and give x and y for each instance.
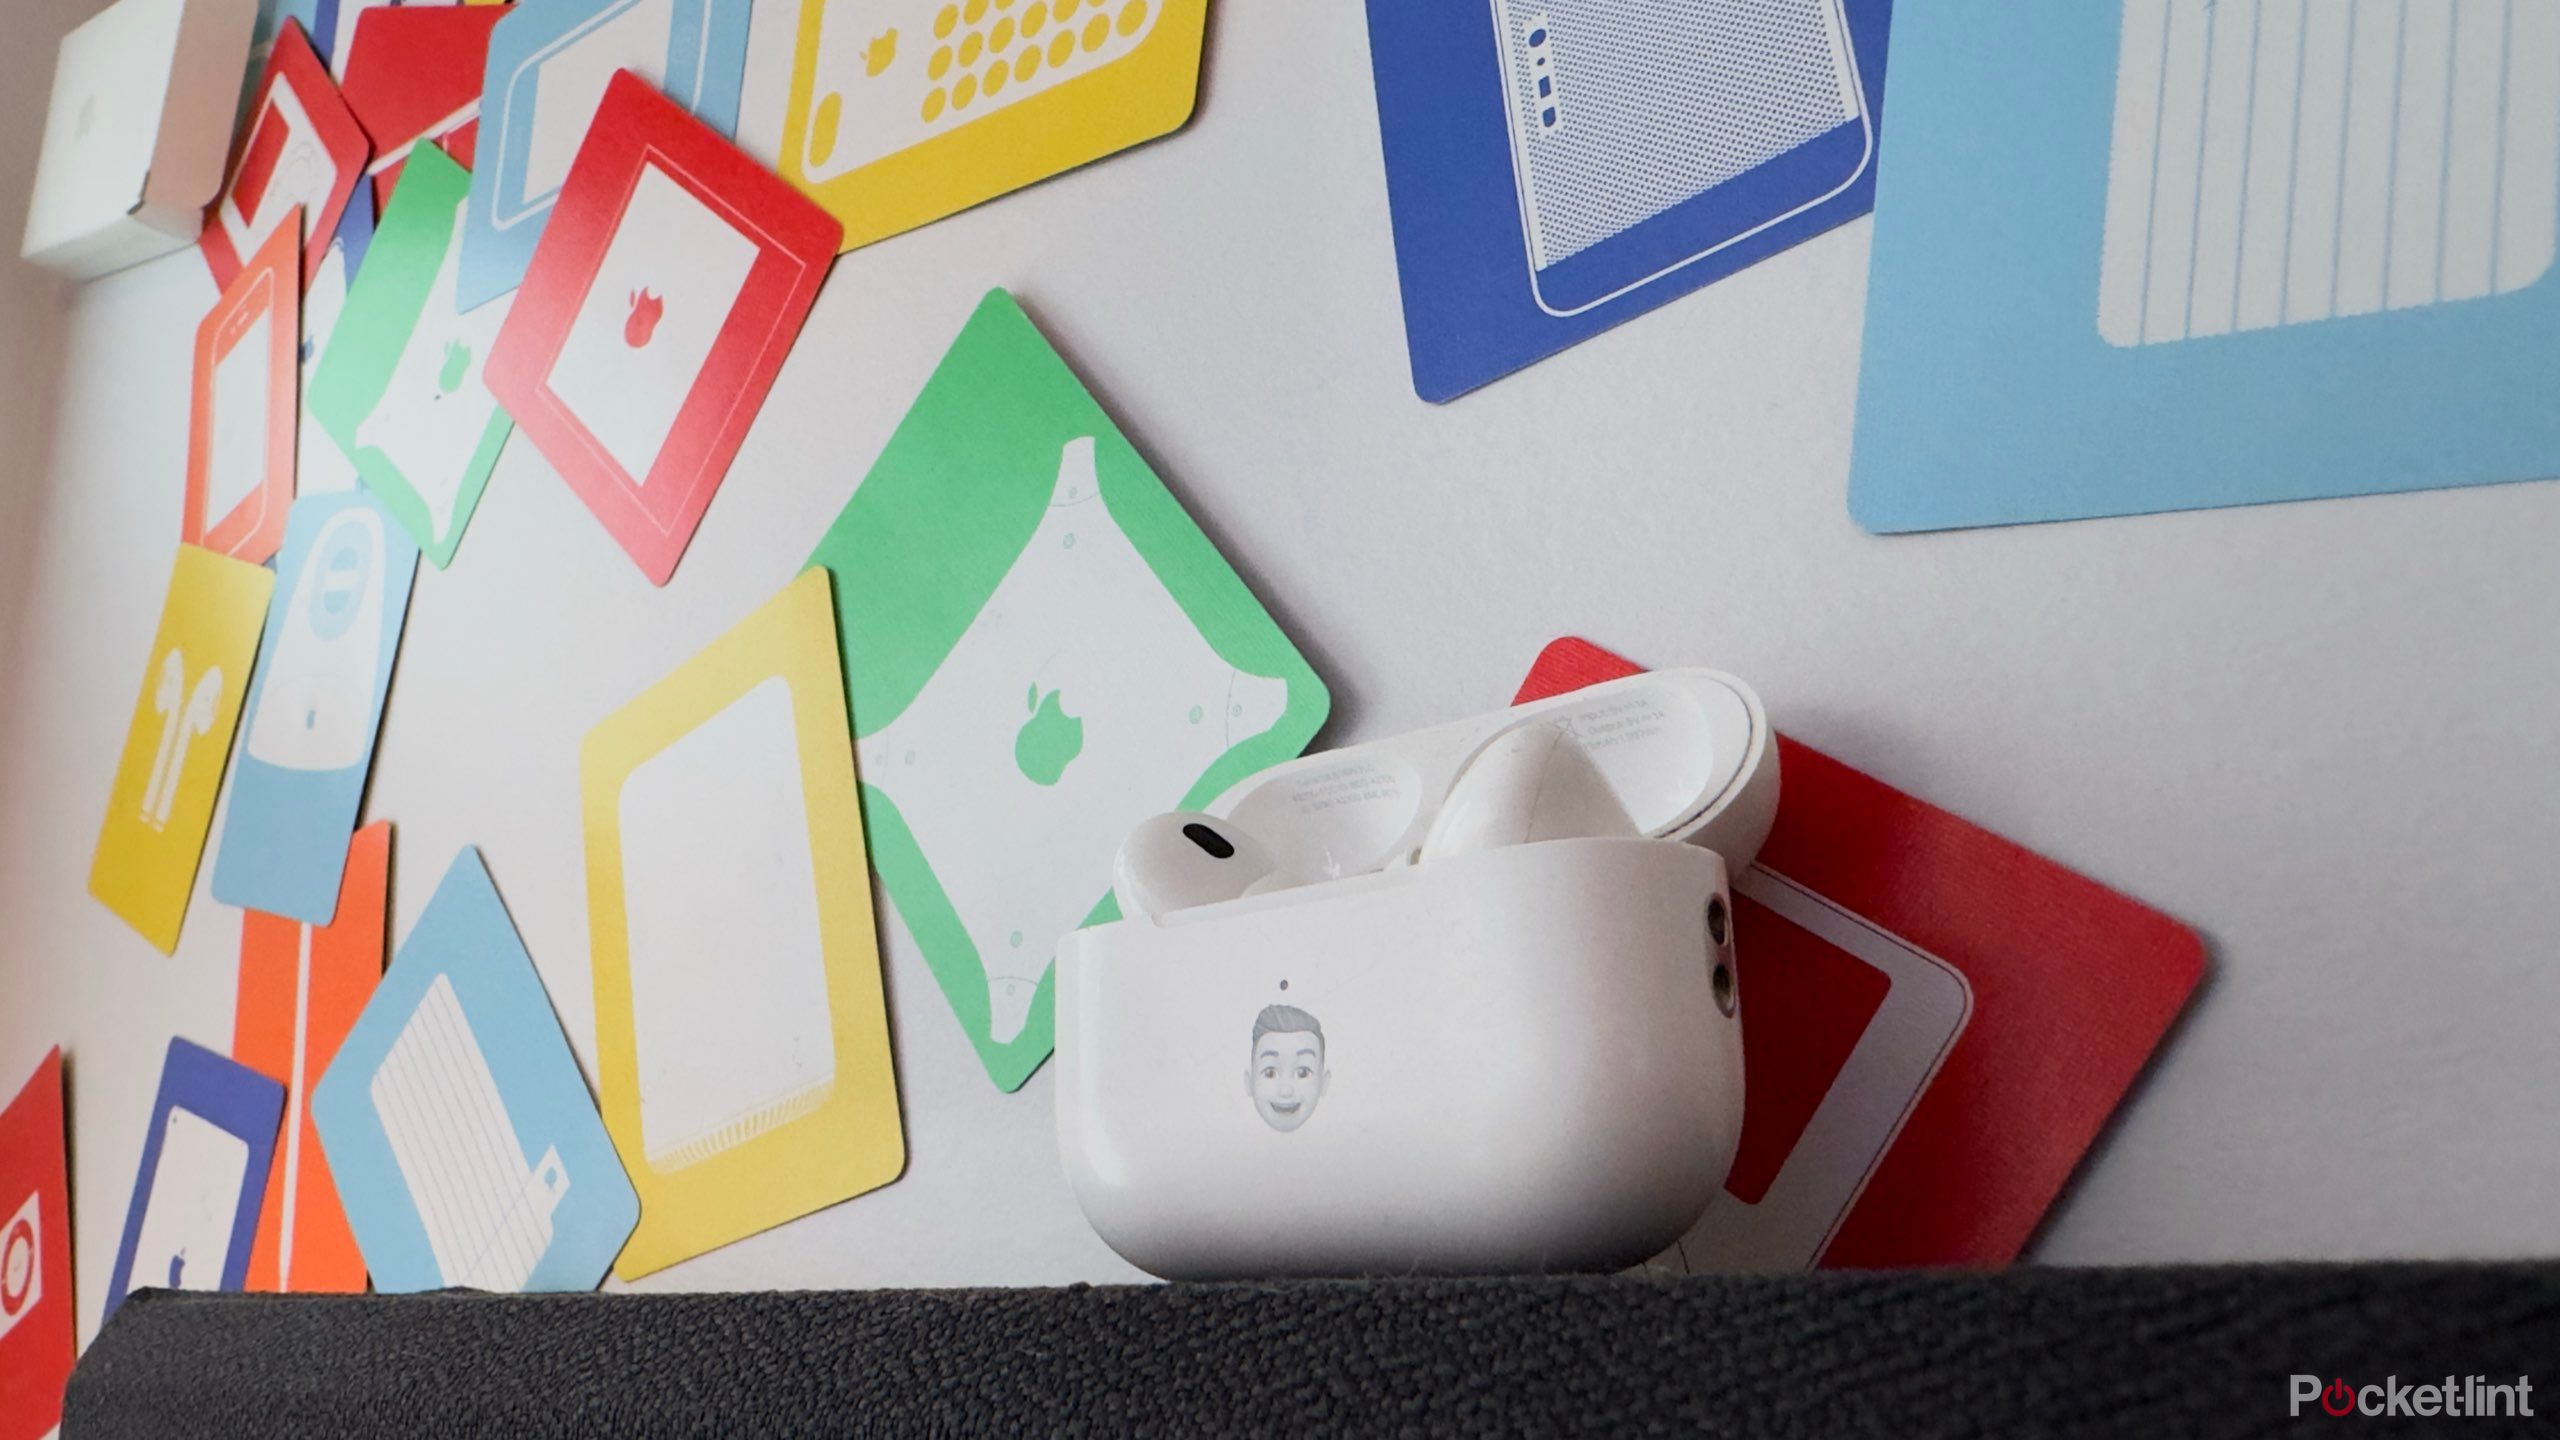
(2323, 733)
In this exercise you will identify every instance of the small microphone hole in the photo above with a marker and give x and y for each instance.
(1218, 846)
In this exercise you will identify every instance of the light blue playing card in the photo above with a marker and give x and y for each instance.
(465, 1146)
(549, 61)
(315, 705)
(2161, 254)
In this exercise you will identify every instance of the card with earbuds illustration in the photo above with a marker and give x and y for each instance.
(315, 705)
(466, 1150)
(400, 388)
(904, 111)
(299, 150)
(666, 292)
(161, 801)
(722, 820)
(1557, 167)
(1041, 650)
(241, 419)
(549, 67)
(205, 1154)
(1936, 1023)
(35, 1255)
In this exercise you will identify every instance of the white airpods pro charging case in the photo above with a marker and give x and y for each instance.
(1523, 1059)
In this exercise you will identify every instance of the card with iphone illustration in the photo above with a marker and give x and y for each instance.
(301, 147)
(1936, 1023)
(667, 290)
(242, 420)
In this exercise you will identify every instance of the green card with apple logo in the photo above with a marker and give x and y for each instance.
(399, 386)
(1040, 650)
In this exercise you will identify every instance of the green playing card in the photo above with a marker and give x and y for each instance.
(1041, 650)
(399, 387)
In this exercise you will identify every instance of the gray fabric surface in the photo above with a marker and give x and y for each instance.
(2138, 1352)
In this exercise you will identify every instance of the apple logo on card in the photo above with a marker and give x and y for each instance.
(457, 363)
(1049, 741)
(645, 310)
(877, 55)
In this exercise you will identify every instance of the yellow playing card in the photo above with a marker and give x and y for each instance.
(742, 1046)
(904, 111)
(162, 801)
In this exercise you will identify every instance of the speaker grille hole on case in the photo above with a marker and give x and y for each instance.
(1718, 925)
(1722, 980)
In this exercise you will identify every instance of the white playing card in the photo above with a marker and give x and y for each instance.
(647, 324)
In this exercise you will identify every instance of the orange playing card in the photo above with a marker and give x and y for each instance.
(301, 989)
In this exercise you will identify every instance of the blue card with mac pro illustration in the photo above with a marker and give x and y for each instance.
(314, 707)
(1555, 167)
(548, 66)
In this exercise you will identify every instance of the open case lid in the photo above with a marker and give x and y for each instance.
(1688, 753)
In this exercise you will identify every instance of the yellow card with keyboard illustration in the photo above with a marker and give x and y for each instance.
(904, 111)
(162, 800)
(742, 1040)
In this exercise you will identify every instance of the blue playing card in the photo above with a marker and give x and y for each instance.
(204, 1173)
(1555, 167)
(548, 66)
(2165, 254)
(465, 1146)
(314, 707)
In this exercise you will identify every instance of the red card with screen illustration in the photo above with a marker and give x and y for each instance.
(35, 1256)
(668, 287)
(1936, 1023)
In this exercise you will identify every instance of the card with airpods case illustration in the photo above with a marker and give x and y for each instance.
(1041, 650)
(400, 389)
(906, 111)
(664, 297)
(1936, 1024)
(333, 630)
(162, 800)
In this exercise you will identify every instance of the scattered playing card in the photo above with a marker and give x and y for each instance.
(400, 390)
(722, 819)
(241, 427)
(315, 704)
(464, 1145)
(161, 802)
(1042, 650)
(1936, 1023)
(301, 988)
(204, 1172)
(665, 295)
(300, 147)
(35, 1255)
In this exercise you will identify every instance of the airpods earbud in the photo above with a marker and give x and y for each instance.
(1532, 783)
(1174, 862)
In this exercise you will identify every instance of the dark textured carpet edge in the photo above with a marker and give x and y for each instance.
(2191, 1351)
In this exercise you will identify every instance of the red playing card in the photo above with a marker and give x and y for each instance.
(242, 410)
(301, 148)
(35, 1256)
(414, 73)
(666, 291)
(1936, 1022)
